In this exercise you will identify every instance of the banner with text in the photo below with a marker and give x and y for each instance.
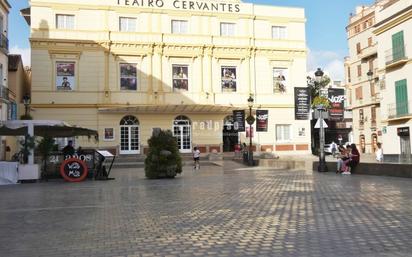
(239, 120)
(262, 120)
(302, 103)
(337, 100)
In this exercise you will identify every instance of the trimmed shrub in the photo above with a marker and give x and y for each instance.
(163, 159)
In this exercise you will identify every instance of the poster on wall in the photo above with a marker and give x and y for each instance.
(262, 117)
(128, 76)
(65, 76)
(302, 103)
(228, 79)
(280, 79)
(337, 100)
(180, 77)
(108, 134)
(239, 120)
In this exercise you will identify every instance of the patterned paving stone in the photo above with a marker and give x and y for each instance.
(217, 211)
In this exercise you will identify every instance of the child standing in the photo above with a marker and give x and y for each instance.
(196, 156)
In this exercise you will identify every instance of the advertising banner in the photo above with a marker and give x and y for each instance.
(239, 120)
(302, 103)
(262, 120)
(337, 100)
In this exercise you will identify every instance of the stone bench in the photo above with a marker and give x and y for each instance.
(377, 169)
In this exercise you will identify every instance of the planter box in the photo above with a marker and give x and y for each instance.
(29, 172)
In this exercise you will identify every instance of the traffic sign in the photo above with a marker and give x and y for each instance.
(317, 125)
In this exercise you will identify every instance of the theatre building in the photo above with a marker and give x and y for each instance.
(124, 67)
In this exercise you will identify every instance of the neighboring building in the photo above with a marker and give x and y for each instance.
(362, 78)
(4, 50)
(393, 31)
(19, 85)
(126, 67)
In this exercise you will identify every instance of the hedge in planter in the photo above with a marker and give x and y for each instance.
(163, 159)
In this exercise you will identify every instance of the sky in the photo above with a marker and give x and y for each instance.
(325, 31)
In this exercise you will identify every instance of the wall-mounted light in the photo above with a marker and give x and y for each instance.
(207, 95)
(155, 94)
(106, 93)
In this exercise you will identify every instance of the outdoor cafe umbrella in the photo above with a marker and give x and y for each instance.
(52, 128)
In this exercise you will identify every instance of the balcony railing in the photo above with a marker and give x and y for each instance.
(399, 110)
(396, 54)
(4, 93)
(4, 43)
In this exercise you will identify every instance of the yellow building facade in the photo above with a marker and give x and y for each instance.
(124, 67)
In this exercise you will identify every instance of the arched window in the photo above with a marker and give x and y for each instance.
(182, 120)
(129, 120)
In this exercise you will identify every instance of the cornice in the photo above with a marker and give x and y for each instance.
(180, 13)
(381, 28)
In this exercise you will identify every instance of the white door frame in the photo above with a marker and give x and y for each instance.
(129, 132)
(183, 123)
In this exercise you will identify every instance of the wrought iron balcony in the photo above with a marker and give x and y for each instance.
(4, 43)
(399, 110)
(396, 56)
(4, 93)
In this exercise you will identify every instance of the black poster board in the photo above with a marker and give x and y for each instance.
(337, 101)
(262, 117)
(302, 103)
(239, 120)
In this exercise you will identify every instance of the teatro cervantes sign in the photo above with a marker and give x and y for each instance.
(209, 6)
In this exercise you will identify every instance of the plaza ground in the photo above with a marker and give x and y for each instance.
(227, 210)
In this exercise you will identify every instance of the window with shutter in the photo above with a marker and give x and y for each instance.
(398, 47)
(401, 97)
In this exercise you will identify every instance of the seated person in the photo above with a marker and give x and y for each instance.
(68, 149)
(354, 157)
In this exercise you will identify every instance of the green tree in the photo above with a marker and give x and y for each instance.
(45, 147)
(163, 159)
(315, 87)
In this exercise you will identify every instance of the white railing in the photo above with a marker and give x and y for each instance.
(393, 55)
(398, 110)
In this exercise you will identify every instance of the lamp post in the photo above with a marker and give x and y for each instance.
(250, 120)
(321, 108)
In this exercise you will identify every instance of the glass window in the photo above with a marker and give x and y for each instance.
(227, 29)
(128, 76)
(179, 26)
(280, 76)
(127, 24)
(180, 77)
(279, 32)
(359, 70)
(228, 74)
(283, 133)
(64, 21)
(65, 76)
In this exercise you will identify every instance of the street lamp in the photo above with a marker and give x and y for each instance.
(321, 108)
(370, 75)
(250, 120)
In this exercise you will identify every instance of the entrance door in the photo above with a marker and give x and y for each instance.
(230, 135)
(129, 135)
(405, 147)
(374, 142)
(362, 143)
(182, 131)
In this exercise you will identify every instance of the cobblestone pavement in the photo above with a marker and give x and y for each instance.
(217, 211)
